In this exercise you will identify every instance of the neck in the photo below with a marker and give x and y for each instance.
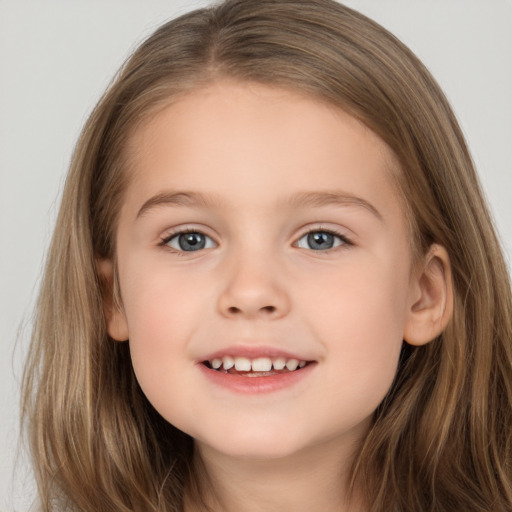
(317, 479)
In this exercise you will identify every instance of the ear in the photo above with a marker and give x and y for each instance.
(117, 326)
(430, 306)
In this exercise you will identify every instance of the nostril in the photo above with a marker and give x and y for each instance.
(263, 310)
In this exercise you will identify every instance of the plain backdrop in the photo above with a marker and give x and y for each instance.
(57, 56)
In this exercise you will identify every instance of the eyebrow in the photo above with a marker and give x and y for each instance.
(334, 198)
(189, 199)
(301, 199)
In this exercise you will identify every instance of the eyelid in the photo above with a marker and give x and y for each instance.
(186, 228)
(182, 230)
(345, 239)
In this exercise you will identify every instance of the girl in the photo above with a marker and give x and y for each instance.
(273, 283)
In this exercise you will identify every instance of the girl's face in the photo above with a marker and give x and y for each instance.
(262, 228)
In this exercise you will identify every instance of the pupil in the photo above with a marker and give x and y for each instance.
(320, 240)
(192, 241)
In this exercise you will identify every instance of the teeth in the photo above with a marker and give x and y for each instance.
(242, 364)
(292, 364)
(260, 364)
(228, 362)
(216, 364)
(279, 363)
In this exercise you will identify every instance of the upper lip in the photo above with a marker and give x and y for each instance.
(253, 352)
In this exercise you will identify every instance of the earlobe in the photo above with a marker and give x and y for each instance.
(431, 301)
(115, 317)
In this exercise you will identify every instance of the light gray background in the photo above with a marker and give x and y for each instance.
(56, 57)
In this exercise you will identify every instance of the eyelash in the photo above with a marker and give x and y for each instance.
(165, 240)
(345, 241)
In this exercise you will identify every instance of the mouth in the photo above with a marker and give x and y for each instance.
(256, 370)
(257, 367)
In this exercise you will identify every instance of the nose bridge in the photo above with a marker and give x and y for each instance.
(253, 284)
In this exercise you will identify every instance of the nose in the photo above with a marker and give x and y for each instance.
(254, 288)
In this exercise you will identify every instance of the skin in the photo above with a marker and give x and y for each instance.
(251, 149)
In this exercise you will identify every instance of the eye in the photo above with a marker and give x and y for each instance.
(189, 241)
(321, 240)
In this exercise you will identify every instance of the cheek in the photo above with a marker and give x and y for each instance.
(359, 318)
(160, 301)
(363, 302)
(162, 314)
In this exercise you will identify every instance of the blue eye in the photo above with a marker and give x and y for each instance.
(321, 240)
(189, 241)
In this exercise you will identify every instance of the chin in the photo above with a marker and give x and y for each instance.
(253, 445)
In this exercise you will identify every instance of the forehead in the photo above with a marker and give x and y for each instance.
(246, 137)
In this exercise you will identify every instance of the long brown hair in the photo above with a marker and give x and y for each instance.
(441, 440)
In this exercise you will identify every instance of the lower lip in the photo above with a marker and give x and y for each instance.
(256, 385)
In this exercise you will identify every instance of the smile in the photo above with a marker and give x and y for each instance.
(253, 373)
(258, 367)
